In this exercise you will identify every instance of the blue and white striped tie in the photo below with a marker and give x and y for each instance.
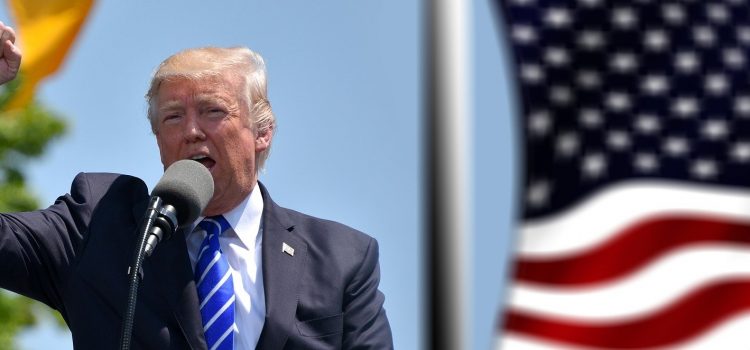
(213, 279)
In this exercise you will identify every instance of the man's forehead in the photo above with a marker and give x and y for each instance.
(199, 83)
(176, 91)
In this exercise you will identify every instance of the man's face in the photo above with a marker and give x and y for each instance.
(207, 120)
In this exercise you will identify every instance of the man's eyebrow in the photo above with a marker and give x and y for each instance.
(170, 105)
(212, 98)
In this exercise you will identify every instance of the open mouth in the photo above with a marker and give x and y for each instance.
(206, 161)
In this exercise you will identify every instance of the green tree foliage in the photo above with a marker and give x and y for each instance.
(24, 135)
(16, 314)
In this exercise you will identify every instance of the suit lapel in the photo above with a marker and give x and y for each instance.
(281, 273)
(171, 266)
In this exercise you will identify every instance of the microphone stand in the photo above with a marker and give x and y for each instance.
(159, 220)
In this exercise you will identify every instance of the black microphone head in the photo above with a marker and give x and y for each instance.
(188, 186)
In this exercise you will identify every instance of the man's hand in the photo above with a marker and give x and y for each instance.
(10, 54)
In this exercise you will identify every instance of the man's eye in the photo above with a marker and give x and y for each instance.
(215, 112)
(171, 118)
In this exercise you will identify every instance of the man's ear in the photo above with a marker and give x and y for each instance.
(263, 140)
(158, 144)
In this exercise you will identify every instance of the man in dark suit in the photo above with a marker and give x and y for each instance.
(249, 274)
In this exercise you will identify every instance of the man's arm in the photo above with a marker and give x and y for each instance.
(365, 323)
(10, 54)
(37, 247)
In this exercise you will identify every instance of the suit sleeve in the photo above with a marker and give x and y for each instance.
(37, 248)
(365, 323)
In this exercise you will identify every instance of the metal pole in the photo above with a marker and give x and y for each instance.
(447, 172)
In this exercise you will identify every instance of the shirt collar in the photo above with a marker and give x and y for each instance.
(245, 218)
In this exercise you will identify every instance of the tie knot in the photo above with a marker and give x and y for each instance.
(214, 224)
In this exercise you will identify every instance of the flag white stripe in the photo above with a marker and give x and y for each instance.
(614, 208)
(513, 341)
(726, 336)
(656, 286)
(730, 335)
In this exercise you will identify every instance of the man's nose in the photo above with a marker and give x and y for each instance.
(193, 130)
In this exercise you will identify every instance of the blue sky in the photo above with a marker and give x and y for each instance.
(345, 83)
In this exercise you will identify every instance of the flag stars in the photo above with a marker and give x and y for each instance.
(645, 88)
(594, 166)
(673, 14)
(742, 106)
(704, 36)
(655, 84)
(743, 34)
(647, 124)
(524, 34)
(645, 162)
(704, 169)
(714, 129)
(716, 84)
(532, 73)
(557, 17)
(623, 62)
(567, 144)
(590, 118)
(523, 2)
(734, 58)
(561, 95)
(591, 40)
(556, 56)
(676, 146)
(686, 62)
(618, 140)
(685, 107)
(740, 152)
(618, 101)
(640, 88)
(655, 40)
(624, 18)
(538, 193)
(590, 3)
(717, 13)
(588, 79)
(540, 123)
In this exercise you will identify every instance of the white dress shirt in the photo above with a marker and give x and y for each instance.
(242, 247)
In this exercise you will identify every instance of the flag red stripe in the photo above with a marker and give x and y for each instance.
(629, 250)
(688, 317)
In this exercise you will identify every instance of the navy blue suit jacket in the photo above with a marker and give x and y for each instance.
(74, 256)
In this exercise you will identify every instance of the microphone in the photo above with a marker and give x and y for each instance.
(177, 200)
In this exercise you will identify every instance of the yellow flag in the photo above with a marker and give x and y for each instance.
(46, 29)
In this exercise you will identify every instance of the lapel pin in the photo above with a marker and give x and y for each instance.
(287, 249)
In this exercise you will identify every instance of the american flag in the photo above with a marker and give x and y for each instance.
(635, 228)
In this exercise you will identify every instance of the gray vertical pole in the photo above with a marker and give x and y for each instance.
(447, 169)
